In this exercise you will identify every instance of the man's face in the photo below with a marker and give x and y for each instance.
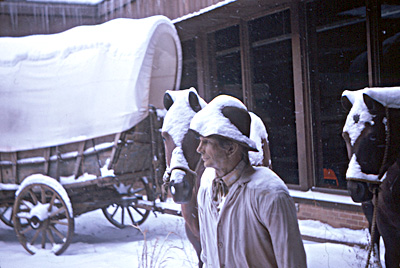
(212, 153)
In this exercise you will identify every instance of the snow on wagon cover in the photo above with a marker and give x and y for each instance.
(86, 82)
(388, 97)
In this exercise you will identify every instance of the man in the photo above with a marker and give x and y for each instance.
(247, 217)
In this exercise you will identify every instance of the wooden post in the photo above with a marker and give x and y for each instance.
(79, 159)
(374, 44)
(245, 57)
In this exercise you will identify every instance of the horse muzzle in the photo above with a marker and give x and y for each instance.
(181, 186)
(359, 191)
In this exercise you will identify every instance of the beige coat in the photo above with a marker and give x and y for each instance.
(256, 227)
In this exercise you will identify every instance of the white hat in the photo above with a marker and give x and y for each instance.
(225, 116)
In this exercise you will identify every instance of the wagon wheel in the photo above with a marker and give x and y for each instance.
(124, 213)
(6, 216)
(43, 216)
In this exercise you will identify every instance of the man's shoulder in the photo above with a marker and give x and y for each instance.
(264, 179)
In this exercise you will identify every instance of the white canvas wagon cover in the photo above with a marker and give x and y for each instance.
(86, 82)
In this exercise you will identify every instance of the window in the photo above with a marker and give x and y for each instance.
(273, 89)
(337, 43)
(390, 67)
(189, 68)
(225, 65)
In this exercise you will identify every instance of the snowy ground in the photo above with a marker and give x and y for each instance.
(99, 244)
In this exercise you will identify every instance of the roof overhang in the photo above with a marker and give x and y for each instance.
(229, 14)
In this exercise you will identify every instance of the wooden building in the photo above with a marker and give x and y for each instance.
(287, 60)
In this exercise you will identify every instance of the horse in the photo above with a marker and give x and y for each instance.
(372, 137)
(184, 164)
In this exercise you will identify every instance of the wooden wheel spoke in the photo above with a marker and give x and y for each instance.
(4, 211)
(122, 216)
(57, 232)
(44, 238)
(26, 230)
(130, 215)
(51, 237)
(35, 236)
(138, 211)
(115, 211)
(53, 222)
(27, 204)
(58, 211)
(34, 197)
(43, 195)
(53, 198)
(137, 190)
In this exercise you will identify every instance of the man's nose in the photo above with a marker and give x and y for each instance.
(200, 147)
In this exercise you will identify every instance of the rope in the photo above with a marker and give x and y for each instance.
(382, 170)
(373, 229)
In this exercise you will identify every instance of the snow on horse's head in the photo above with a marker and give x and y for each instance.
(365, 133)
(372, 135)
(180, 144)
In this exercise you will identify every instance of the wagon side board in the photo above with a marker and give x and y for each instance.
(130, 155)
(72, 159)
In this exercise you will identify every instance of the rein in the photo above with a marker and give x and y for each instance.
(383, 168)
(382, 171)
(373, 230)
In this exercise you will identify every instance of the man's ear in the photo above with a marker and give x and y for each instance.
(232, 148)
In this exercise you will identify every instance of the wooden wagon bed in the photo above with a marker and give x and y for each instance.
(80, 129)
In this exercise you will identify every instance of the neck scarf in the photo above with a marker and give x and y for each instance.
(221, 185)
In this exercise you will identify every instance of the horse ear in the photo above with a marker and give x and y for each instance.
(168, 101)
(373, 106)
(194, 102)
(240, 118)
(346, 103)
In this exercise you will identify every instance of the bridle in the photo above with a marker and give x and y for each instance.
(375, 188)
(168, 172)
(383, 167)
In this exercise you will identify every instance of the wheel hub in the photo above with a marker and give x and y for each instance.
(35, 222)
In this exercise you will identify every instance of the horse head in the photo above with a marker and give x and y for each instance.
(371, 140)
(180, 143)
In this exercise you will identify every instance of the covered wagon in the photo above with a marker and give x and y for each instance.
(79, 128)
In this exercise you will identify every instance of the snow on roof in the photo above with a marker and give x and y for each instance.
(81, 2)
(203, 10)
(86, 82)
